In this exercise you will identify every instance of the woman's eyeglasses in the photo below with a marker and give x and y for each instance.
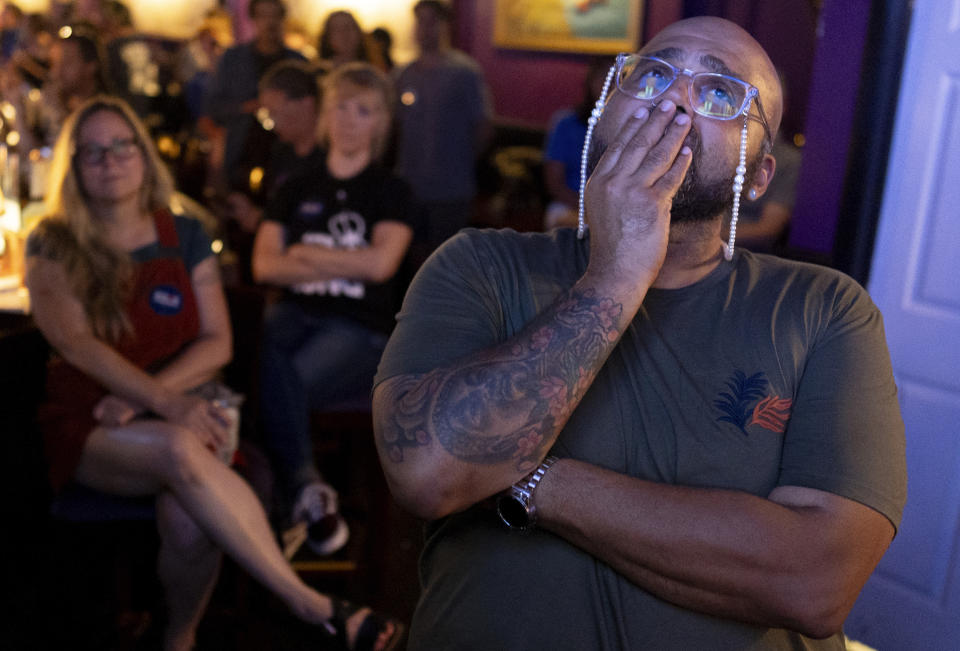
(121, 149)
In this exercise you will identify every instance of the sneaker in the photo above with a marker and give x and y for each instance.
(316, 506)
(328, 534)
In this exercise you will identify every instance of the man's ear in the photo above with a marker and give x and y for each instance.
(761, 180)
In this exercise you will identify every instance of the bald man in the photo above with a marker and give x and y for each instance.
(645, 438)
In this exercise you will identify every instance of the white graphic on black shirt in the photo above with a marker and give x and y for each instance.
(347, 230)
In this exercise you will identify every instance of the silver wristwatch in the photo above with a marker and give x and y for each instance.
(515, 505)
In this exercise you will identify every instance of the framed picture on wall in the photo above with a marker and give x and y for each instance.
(590, 26)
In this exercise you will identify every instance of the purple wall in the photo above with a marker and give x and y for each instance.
(830, 115)
(787, 31)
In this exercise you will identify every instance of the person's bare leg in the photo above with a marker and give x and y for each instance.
(188, 566)
(147, 457)
(150, 457)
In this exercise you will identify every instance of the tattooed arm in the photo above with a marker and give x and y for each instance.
(456, 435)
(461, 432)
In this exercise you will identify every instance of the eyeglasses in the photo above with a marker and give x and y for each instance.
(122, 149)
(712, 95)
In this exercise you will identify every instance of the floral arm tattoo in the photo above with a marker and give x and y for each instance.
(507, 402)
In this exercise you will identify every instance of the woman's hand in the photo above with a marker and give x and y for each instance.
(205, 419)
(114, 411)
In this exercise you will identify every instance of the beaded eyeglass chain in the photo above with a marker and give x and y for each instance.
(738, 180)
(738, 186)
(591, 123)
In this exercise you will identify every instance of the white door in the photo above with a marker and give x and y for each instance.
(913, 599)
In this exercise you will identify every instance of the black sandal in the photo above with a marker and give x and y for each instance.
(370, 629)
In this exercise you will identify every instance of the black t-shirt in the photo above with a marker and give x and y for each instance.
(262, 62)
(318, 209)
(285, 164)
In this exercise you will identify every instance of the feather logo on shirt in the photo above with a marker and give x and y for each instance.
(746, 403)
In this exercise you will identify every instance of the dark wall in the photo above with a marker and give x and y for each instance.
(529, 86)
(787, 31)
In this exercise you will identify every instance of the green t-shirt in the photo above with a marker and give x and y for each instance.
(765, 373)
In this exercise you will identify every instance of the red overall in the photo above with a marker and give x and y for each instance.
(163, 312)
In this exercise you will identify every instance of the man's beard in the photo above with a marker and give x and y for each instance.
(698, 199)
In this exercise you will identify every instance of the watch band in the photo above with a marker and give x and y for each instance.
(531, 481)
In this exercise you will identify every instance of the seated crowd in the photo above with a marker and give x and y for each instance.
(159, 154)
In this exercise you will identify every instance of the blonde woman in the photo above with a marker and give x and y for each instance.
(334, 238)
(128, 295)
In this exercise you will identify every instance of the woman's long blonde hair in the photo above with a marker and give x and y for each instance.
(99, 274)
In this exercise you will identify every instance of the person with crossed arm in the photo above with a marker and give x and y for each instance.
(644, 437)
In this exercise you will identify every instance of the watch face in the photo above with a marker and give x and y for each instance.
(513, 512)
